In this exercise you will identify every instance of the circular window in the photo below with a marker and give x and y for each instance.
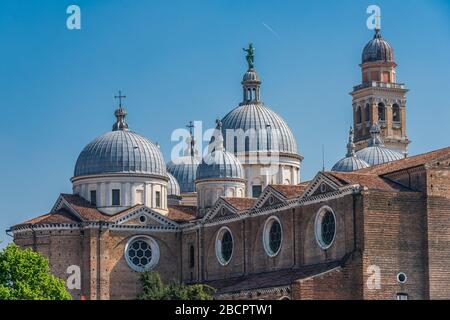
(271, 200)
(224, 246)
(401, 277)
(272, 236)
(323, 187)
(142, 219)
(325, 227)
(141, 253)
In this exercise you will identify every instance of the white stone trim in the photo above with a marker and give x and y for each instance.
(154, 251)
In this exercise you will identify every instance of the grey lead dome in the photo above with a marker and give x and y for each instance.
(120, 151)
(173, 188)
(261, 119)
(376, 153)
(350, 162)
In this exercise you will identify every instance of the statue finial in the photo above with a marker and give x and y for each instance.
(375, 131)
(250, 55)
(350, 144)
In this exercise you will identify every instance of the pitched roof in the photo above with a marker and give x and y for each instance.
(84, 208)
(58, 216)
(271, 279)
(370, 181)
(289, 191)
(406, 163)
(240, 204)
(182, 213)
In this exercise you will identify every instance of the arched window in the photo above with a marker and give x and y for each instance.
(395, 113)
(381, 112)
(358, 115)
(367, 112)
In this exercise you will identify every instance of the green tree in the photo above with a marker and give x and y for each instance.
(155, 289)
(25, 275)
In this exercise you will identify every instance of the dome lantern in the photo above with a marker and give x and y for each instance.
(251, 83)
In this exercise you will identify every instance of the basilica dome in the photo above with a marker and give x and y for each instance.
(184, 169)
(377, 49)
(120, 151)
(269, 131)
(376, 153)
(350, 162)
(219, 163)
(173, 188)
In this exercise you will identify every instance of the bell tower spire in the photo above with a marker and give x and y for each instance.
(380, 99)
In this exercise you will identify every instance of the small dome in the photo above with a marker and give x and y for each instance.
(258, 117)
(120, 151)
(251, 76)
(376, 152)
(377, 49)
(173, 188)
(349, 164)
(184, 169)
(220, 164)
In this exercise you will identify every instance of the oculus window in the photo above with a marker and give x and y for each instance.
(272, 236)
(224, 246)
(325, 227)
(141, 253)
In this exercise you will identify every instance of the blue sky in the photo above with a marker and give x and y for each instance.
(182, 60)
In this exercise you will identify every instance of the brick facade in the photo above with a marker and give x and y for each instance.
(393, 218)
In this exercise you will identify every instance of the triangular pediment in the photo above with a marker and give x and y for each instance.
(220, 209)
(269, 197)
(321, 184)
(142, 216)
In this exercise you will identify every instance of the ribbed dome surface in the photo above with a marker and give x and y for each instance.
(251, 75)
(259, 117)
(120, 151)
(349, 164)
(184, 169)
(374, 155)
(173, 188)
(220, 164)
(377, 49)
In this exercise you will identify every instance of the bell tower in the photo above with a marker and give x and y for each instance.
(380, 98)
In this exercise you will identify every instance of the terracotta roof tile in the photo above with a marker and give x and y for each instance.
(290, 191)
(270, 279)
(86, 210)
(370, 181)
(240, 204)
(182, 213)
(409, 162)
(59, 216)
